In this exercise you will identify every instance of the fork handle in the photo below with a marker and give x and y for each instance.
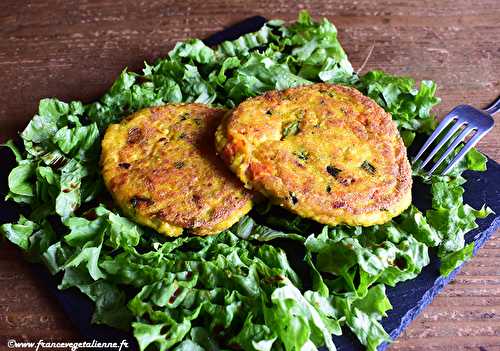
(494, 107)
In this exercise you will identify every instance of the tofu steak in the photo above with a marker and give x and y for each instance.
(161, 168)
(323, 151)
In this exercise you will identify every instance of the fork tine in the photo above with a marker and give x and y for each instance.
(473, 141)
(494, 107)
(445, 139)
(434, 135)
(452, 147)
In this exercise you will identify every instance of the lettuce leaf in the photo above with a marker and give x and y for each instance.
(453, 259)
(410, 107)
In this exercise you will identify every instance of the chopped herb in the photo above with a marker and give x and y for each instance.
(58, 162)
(291, 128)
(293, 197)
(367, 166)
(184, 116)
(182, 135)
(134, 135)
(179, 164)
(137, 200)
(124, 165)
(333, 171)
(328, 188)
(300, 114)
(328, 92)
(302, 155)
(173, 297)
(269, 112)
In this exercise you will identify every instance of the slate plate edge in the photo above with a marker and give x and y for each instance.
(439, 284)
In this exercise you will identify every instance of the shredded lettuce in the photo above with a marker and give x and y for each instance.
(410, 107)
(238, 289)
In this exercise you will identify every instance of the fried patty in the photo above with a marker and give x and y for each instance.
(323, 151)
(161, 168)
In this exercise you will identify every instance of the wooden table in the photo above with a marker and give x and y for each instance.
(74, 50)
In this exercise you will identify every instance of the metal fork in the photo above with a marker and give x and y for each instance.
(469, 119)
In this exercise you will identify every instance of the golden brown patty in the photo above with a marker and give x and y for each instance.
(161, 168)
(323, 151)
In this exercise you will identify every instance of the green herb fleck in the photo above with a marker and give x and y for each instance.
(302, 155)
(179, 164)
(328, 92)
(291, 128)
(333, 171)
(138, 200)
(367, 166)
(328, 188)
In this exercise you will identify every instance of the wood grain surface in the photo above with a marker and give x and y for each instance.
(75, 49)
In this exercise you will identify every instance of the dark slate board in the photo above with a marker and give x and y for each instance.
(408, 298)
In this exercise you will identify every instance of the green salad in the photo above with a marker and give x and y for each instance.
(273, 281)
